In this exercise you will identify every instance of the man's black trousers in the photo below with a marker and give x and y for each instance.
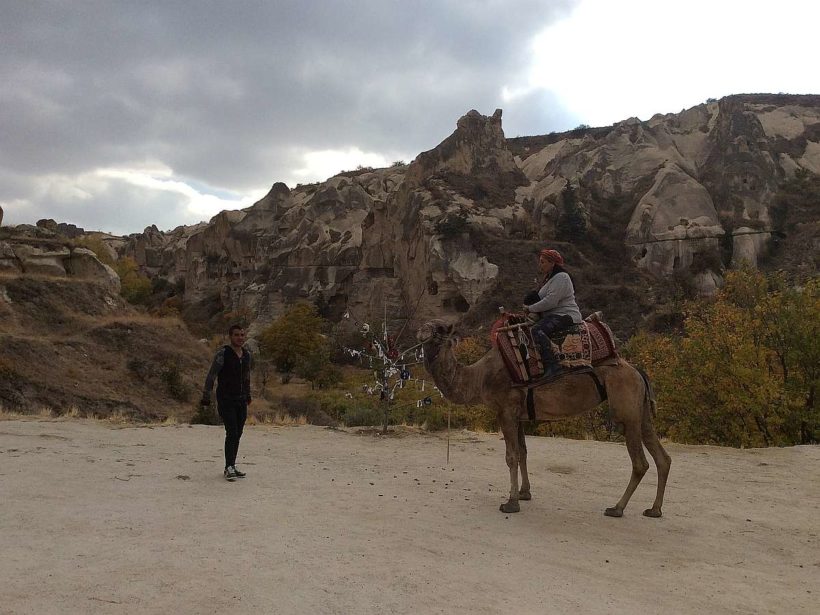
(233, 414)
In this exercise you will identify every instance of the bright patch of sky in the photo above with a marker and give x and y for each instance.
(196, 202)
(613, 60)
(320, 165)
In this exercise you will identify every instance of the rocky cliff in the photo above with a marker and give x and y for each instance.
(455, 232)
(47, 250)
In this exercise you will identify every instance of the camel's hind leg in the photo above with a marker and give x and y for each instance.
(662, 461)
(632, 433)
(524, 492)
(509, 427)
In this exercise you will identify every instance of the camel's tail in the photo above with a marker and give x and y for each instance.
(649, 392)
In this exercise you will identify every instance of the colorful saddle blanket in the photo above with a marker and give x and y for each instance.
(582, 345)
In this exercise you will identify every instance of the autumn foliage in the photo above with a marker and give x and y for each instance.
(135, 285)
(295, 343)
(744, 372)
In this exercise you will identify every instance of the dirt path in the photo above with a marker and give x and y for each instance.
(96, 519)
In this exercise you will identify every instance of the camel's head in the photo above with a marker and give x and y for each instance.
(434, 335)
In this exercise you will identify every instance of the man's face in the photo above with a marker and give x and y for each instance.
(238, 337)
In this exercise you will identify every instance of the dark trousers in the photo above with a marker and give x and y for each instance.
(543, 329)
(233, 414)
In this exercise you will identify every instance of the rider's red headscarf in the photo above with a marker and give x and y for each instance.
(552, 255)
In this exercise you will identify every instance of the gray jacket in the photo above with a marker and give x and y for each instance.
(557, 297)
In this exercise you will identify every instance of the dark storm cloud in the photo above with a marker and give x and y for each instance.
(230, 93)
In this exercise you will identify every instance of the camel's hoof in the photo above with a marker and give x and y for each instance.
(509, 507)
(614, 512)
(524, 495)
(651, 512)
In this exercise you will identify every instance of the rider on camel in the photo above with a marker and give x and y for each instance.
(555, 304)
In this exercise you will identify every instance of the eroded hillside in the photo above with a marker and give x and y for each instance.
(642, 209)
(71, 344)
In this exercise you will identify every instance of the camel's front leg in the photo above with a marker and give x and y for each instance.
(524, 492)
(509, 427)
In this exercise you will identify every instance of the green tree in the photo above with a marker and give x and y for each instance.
(295, 344)
(572, 224)
(135, 287)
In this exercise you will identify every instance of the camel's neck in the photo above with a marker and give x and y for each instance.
(459, 384)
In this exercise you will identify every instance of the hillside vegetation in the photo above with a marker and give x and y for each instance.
(69, 345)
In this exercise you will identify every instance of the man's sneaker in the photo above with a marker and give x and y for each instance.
(237, 473)
(230, 474)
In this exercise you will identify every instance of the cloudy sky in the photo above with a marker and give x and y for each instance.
(115, 115)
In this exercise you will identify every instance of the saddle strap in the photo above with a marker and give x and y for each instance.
(530, 405)
(599, 386)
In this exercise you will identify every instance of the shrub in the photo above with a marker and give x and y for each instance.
(746, 372)
(97, 246)
(172, 306)
(317, 369)
(452, 225)
(363, 417)
(172, 380)
(205, 415)
(140, 368)
(135, 287)
(309, 408)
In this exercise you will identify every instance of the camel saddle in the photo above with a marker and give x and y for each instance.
(584, 345)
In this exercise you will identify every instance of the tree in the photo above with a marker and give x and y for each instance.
(134, 286)
(572, 224)
(97, 246)
(746, 371)
(295, 344)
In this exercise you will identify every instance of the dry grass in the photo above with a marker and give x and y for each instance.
(136, 318)
(74, 413)
(276, 420)
(273, 419)
(10, 275)
(13, 415)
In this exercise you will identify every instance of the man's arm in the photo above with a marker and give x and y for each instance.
(216, 367)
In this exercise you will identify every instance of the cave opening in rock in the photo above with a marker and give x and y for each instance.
(456, 303)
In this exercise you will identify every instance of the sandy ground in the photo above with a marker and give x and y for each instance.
(100, 519)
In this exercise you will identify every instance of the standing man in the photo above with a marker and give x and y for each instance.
(232, 369)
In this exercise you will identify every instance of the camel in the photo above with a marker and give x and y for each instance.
(487, 382)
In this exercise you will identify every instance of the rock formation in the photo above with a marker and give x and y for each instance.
(688, 192)
(41, 251)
